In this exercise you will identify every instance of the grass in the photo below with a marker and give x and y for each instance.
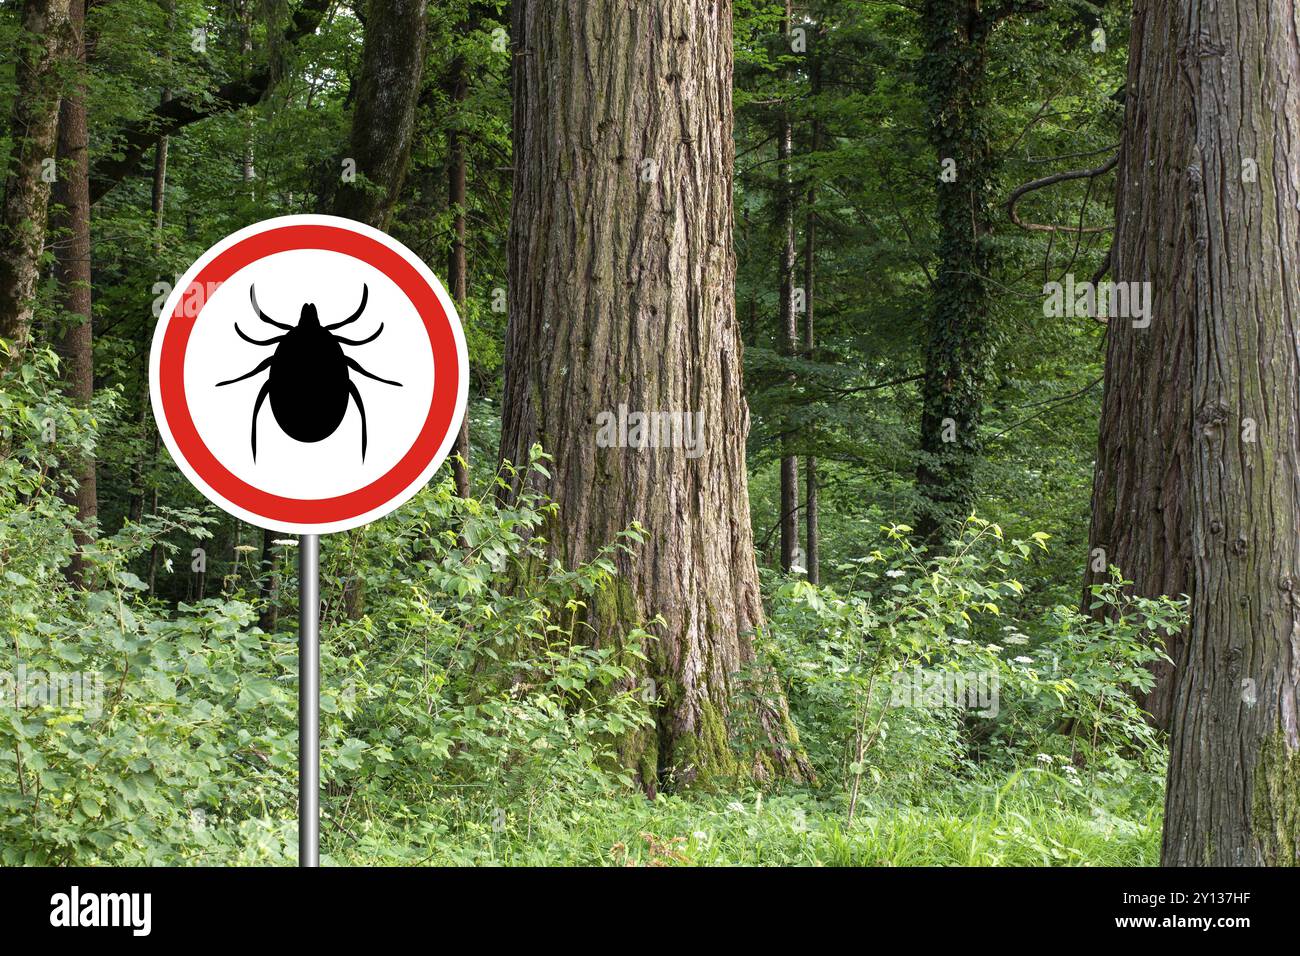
(1029, 819)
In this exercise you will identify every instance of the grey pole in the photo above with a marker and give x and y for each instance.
(309, 700)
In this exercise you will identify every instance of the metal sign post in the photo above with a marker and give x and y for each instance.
(312, 463)
(309, 700)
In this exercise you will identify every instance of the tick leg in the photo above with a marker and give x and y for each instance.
(247, 338)
(356, 397)
(265, 363)
(365, 294)
(252, 295)
(340, 339)
(257, 407)
(352, 364)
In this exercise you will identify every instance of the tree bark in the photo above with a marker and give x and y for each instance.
(812, 517)
(959, 347)
(1233, 123)
(268, 591)
(44, 42)
(812, 530)
(1139, 523)
(788, 331)
(621, 268)
(457, 269)
(70, 223)
(383, 123)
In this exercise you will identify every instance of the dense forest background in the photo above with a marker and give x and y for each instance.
(946, 664)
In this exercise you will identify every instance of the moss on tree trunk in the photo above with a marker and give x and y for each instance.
(622, 293)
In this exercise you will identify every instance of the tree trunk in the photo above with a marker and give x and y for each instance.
(621, 269)
(268, 586)
(44, 41)
(959, 347)
(158, 204)
(457, 272)
(812, 530)
(71, 226)
(383, 128)
(383, 124)
(1233, 123)
(788, 333)
(1144, 443)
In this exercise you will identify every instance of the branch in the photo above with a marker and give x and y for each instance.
(1050, 403)
(174, 115)
(1052, 180)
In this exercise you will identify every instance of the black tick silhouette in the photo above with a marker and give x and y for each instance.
(309, 385)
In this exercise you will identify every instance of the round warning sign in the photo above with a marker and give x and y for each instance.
(309, 374)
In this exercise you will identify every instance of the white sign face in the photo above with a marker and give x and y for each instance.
(309, 374)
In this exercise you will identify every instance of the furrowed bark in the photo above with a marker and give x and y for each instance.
(621, 268)
(1229, 126)
(44, 44)
(1139, 522)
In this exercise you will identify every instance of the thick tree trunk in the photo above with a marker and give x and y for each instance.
(70, 224)
(788, 331)
(621, 270)
(959, 345)
(383, 124)
(1233, 122)
(43, 42)
(1139, 523)
(457, 269)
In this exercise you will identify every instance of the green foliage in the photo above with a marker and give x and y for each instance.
(913, 674)
(470, 714)
(1030, 819)
(135, 733)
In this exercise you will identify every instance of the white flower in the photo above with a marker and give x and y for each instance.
(1024, 660)
(894, 573)
(960, 640)
(992, 648)
(736, 806)
(1044, 758)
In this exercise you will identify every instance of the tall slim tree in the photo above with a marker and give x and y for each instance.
(812, 480)
(71, 224)
(621, 276)
(788, 330)
(44, 43)
(1218, 81)
(959, 342)
(457, 266)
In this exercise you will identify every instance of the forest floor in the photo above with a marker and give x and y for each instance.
(977, 826)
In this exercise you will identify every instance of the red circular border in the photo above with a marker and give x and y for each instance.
(171, 376)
